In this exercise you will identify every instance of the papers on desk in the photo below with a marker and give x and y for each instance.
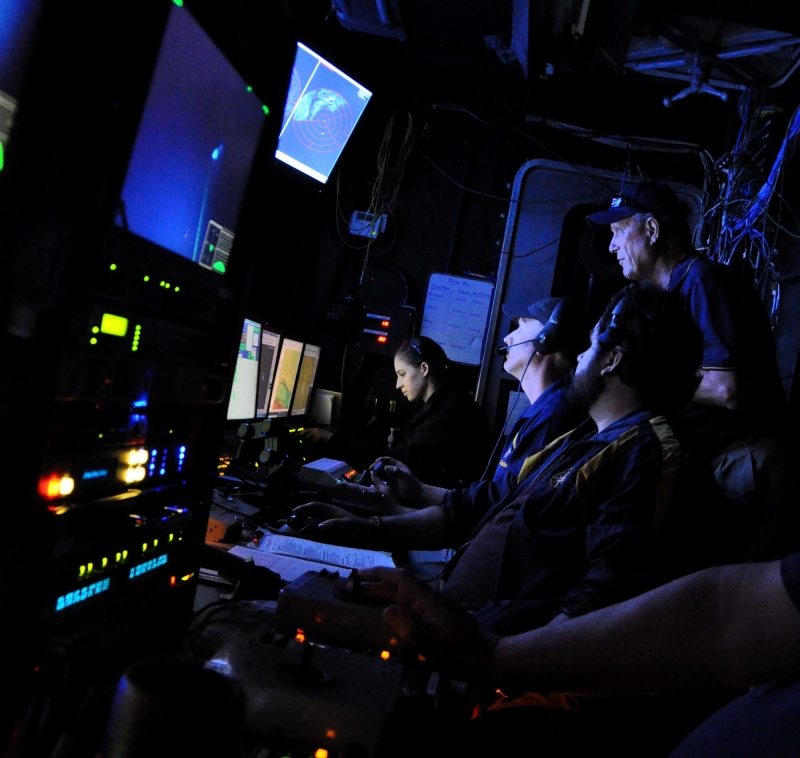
(291, 557)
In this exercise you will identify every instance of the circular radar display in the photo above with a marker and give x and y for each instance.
(295, 88)
(323, 120)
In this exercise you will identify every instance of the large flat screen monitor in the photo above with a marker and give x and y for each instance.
(194, 149)
(322, 108)
(17, 28)
(268, 362)
(242, 403)
(285, 379)
(305, 380)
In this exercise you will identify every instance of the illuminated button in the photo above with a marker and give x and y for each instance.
(117, 326)
(171, 537)
(81, 570)
(129, 476)
(89, 568)
(95, 329)
(382, 339)
(139, 474)
(118, 557)
(66, 485)
(144, 547)
(104, 562)
(124, 555)
(155, 543)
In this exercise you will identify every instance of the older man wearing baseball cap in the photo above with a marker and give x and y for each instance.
(739, 406)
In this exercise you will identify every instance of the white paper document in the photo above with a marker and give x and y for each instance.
(291, 557)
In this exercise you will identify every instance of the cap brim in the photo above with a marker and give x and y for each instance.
(602, 218)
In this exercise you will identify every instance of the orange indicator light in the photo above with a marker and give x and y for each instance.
(385, 654)
(321, 753)
(386, 323)
(330, 734)
(300, 637)
(382, 339)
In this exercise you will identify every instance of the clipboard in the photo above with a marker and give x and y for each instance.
(456, 315)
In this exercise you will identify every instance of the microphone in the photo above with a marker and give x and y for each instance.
(505, 348)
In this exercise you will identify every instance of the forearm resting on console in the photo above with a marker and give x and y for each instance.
(726, 626)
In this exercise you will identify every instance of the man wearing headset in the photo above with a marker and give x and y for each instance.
(593, 519)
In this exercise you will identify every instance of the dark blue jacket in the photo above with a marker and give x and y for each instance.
(590, 526)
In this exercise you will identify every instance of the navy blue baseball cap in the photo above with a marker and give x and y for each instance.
(651, 197)
(541, 310)
(573, 332)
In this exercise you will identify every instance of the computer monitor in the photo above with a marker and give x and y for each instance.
(285, 379)
(242, 403)
(305, 380)
(17, 28)
(322, 108)
(194, 149)
(268, 362)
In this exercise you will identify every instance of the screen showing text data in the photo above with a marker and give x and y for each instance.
(321, 111)
(194, 149)
(242, 404)
(266, 373)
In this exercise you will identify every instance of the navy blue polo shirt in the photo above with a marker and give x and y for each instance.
(736, 337)
(548, 418)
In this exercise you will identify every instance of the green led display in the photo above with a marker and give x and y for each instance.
(114, 325)
(249, 89)
(147, 278)
(211, 248)
(179, 3)
(177, 289)
(113, 266)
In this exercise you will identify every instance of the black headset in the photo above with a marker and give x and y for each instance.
(549, 339)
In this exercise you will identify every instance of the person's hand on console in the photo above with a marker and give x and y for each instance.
(398, 483)
(442, 631)
(330, 523)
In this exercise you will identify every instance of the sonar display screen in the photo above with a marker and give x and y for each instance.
(194, 149)
(321, 111)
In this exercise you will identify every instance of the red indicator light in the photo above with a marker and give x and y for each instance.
(382, 339)
(172, 581)
(50, 486)
(386, 323)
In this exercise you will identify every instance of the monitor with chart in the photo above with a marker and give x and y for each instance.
(321, 111)
(242, 403)
(305, 380)
(285, 379)
(268, 362)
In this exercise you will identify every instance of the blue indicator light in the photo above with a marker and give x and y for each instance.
(95, 474)
(140, 403)
(182, 456)
(153, 452)
(182, 449)
(163, 471)
(143, 568)
(78, 596)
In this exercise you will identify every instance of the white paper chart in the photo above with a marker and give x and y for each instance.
(456, 313)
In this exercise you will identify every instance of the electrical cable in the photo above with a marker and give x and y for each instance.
(508, 416)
